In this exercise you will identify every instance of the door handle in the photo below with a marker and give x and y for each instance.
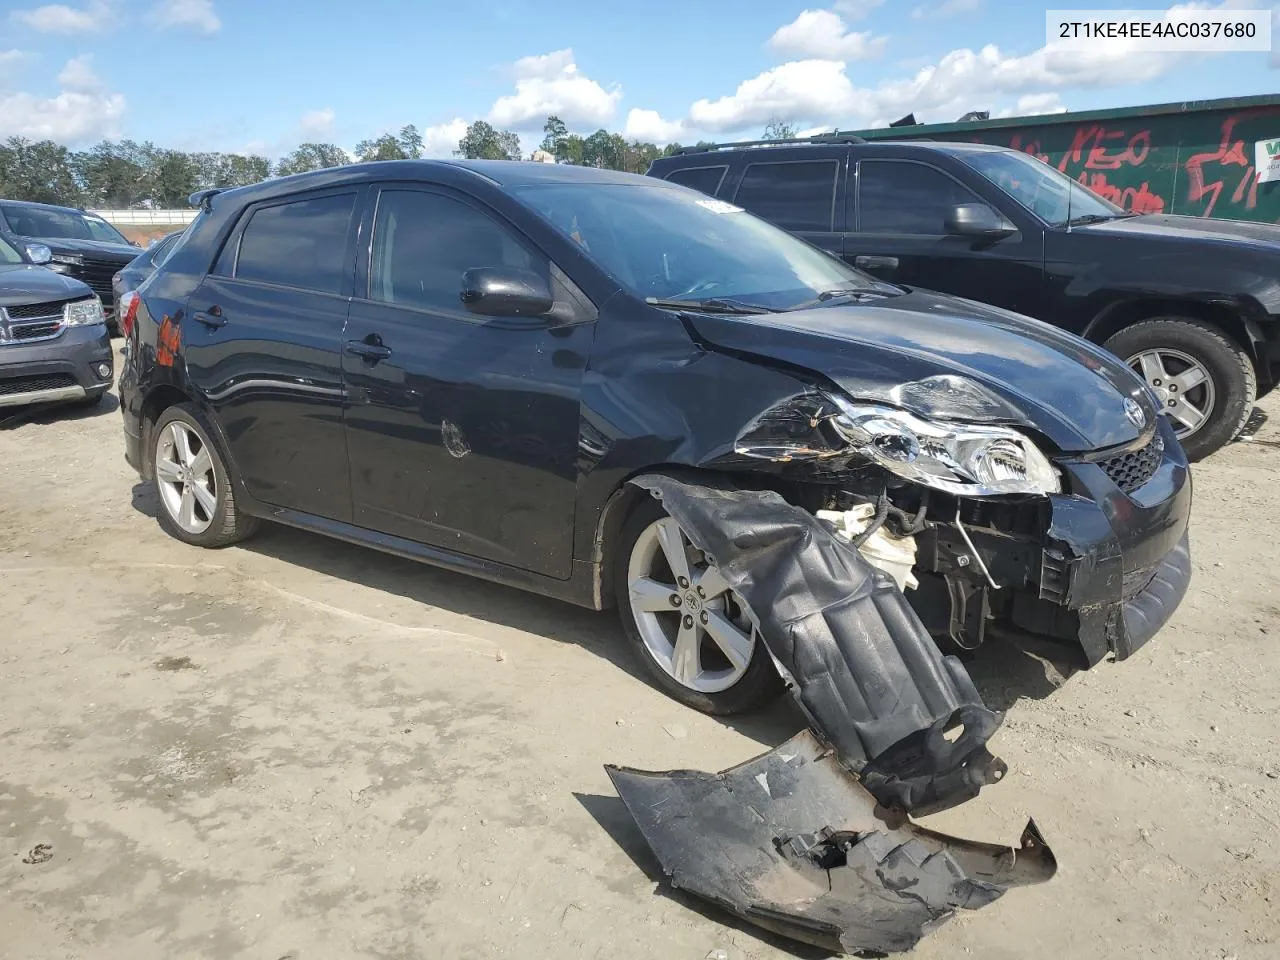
(370, 349)
(211, 318)
(876, 263)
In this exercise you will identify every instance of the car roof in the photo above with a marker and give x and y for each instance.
(711, 154)
(39, 206)
(500, 173)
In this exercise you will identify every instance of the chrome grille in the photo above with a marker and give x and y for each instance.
(30, 311)
(1130, 471)
(30, 322)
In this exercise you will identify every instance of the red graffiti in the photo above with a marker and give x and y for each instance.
(1032, 147)
(1230, 154)
(1134, 199)
(1133, 153)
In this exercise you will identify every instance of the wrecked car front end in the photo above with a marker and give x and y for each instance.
(1061, 519)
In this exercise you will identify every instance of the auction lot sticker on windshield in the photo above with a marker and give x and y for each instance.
(718, 206)
(1267, 160)
(1186, 29)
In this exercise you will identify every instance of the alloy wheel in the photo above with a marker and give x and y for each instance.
(1182, 384)
(693, 625)
(185, 477)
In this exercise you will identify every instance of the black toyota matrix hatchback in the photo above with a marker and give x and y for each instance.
(467, 363)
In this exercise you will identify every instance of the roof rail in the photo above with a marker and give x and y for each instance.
(819, 138)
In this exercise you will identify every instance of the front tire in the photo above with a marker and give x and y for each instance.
(686, 626)
(1205, 380)
(197, 503)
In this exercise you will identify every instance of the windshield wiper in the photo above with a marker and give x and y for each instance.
(712, 305)
(1088, 218)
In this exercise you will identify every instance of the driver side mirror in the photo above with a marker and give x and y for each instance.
(978, 221)
(506, 292)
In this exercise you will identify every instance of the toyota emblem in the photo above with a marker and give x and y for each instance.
(1134, 412)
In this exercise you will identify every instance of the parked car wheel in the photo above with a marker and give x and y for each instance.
(688, 628)
(1205, 381)
(197, 503)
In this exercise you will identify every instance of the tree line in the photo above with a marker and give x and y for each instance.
(123, 174)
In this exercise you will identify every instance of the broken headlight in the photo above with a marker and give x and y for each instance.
(970, 460)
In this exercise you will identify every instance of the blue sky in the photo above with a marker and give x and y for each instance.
(253, 75)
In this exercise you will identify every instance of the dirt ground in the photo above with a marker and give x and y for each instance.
(300, 749)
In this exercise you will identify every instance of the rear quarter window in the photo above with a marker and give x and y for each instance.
(797, 195)
(706, 179)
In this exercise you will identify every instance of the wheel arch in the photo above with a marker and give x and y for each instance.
(1231, 320)
(159, 399)
(621, 503)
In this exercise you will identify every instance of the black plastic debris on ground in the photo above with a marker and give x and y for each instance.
(792, 843)
(862, 666)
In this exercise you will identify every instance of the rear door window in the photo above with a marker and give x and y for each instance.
(796, 195)
(302, 243)
(706, 179)
(904, 197)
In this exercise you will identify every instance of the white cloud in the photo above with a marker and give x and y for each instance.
(80, 113)
(823, 35)
(9, 61)
(855, 9)
(78, 75)
(819, 91)
(441, 139)
(551, 84)
(648, 126)
(197, 15)
(60, 18)
(813, 90)
(317, 124)
(946, 8)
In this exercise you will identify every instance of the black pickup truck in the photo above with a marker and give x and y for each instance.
(1193, 305)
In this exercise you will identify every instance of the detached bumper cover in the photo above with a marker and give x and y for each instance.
(859, 662)
(791, 842)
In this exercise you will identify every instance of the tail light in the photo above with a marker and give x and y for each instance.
(129, 311)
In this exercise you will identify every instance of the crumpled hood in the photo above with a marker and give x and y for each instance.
(22, 284)
(1069, 390)
(119, 252)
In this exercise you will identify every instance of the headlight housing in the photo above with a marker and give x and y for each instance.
(83, 313)
(970, 460)
(39, 253)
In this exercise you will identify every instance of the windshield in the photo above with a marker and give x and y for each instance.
(8, 254)
(1052, 196)
(44, 222)
(671, 243)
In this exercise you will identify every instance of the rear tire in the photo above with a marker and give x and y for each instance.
(1225, 396)
(192, 483)
(725, 688)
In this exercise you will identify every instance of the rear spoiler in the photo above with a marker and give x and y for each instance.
(204, 198)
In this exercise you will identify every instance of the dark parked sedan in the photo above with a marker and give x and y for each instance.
(53, 339)
(467, 363)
